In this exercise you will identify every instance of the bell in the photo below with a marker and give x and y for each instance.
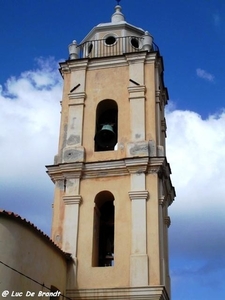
(106, 137)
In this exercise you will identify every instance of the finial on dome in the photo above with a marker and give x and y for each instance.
(117, 16)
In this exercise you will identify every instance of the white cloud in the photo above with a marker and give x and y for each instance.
(29, 118)
(196, 152)
(29, 122)
(205, 75)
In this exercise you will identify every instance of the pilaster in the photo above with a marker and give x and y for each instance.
(137, 96)
(73, 150)
(138, 258)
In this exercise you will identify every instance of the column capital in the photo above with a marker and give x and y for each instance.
(138, 195)
(72, 199)
(136, 92)
(77, 98)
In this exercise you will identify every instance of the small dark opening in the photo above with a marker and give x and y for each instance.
(134, 42)
(90, 46)
(110, 40)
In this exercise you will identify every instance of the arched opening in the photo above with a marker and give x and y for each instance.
(106, 125)
(103, 234)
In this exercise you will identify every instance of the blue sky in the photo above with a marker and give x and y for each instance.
(190, 34)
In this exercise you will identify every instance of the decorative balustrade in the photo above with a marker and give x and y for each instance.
(111, 46)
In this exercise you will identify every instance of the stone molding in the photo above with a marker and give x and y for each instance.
(132, 165)
(104, 62)
(162, 201)
(167, 221)
(136, 92)
(138, 195)
(70, 65)
(157, 94)
(72, 199)
(62, 171)
(126, 293)
(102, 169)
(137, 165)
(77, 98)
(163, 125)
(136, 58)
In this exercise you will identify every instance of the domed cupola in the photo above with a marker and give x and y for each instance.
(113, 38)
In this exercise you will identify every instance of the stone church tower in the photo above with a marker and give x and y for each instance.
(112, 179)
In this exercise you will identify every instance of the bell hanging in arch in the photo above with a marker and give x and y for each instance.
(106, 137)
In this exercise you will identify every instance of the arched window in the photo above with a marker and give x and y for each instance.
(103, 235)
(106, 125)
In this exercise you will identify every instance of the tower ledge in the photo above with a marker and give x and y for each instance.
(148, 293)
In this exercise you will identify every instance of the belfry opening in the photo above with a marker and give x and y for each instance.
(103, 236)
(106, 125)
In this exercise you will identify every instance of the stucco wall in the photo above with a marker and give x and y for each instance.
(98, 277)
(27, 251)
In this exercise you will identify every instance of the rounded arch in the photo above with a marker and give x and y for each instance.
(102, 197)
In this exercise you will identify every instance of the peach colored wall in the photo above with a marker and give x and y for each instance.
(108, 83)
(94, 277)
(27, 252)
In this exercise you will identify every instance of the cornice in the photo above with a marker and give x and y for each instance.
(156, 165)
(66, 170)
(107, 62)
(136, 57)
(104, 169)
(70, 65)
(123, 167)
(109, 168)
(152, 57)
(137, 165)
(125, 293)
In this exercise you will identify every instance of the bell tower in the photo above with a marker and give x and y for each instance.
(112, 179)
